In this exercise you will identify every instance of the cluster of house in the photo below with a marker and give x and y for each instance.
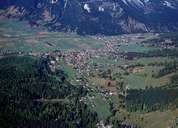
(82, 61)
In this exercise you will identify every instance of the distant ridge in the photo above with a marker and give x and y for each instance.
(108, 17)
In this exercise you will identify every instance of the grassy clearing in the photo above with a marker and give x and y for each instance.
(104, 60)
(145, 79)
(135, 47)
(151, 120)
(101, 106)
(101, 82)
(149, 60)
(68, 70)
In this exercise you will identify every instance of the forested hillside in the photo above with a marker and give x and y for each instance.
(32, 96)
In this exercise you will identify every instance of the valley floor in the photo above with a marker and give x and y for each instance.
(128, 79)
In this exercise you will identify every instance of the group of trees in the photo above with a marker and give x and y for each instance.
(172, 36)
(169, 67)
(162, 53)
(161, 38)
(152, 99)
(174, 79)
(30, 96)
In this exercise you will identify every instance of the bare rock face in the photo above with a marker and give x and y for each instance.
(107, 17)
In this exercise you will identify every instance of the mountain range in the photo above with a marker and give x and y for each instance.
(108, 17)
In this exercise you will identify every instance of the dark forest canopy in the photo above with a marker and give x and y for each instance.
(32, 97)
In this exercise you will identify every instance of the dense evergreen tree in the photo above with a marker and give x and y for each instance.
(31, 96)
(152, 99)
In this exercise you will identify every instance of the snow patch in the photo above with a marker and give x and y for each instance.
(101, 9)
(54, 1)
(87, 8)
(168, 4)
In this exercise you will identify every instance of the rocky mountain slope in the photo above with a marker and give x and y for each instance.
(96, 16)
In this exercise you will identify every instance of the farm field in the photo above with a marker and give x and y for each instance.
(136, 47)
(19, 36)
(146, 79)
